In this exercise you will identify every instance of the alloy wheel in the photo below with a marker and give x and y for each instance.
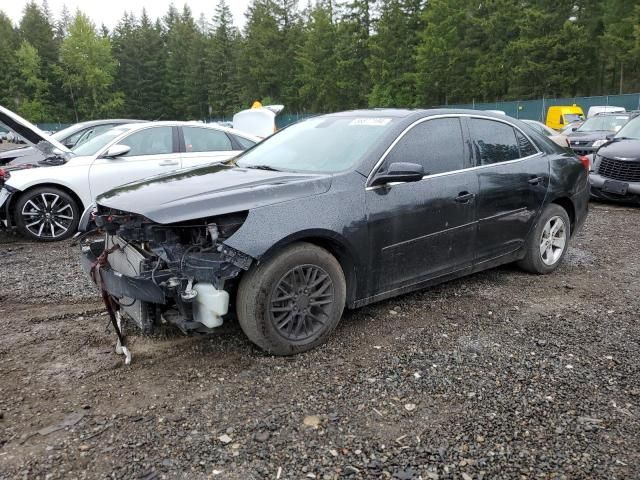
(553, 240)
(47, 215)
(301, 302)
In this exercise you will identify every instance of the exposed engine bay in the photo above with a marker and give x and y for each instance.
(157, 274)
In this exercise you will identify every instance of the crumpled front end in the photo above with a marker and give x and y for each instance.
(180, 274)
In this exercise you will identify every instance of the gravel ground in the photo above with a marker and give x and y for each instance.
(498, 375)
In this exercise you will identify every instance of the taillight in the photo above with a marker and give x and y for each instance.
(586, 162)
(4, 174)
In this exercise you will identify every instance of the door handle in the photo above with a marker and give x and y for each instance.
(535, 180)
(464, 197)
(168, 163)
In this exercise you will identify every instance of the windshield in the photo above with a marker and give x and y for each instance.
(93, 146)
(609, 123)
(572, 117)
(323, 144)
(60, 135)
(630, 130)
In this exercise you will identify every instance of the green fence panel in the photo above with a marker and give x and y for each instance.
(537, 109)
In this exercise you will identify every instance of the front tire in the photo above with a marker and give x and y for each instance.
(293, 301)
(548, 242)
(47, 214)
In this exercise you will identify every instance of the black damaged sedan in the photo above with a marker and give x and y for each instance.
(337, 211)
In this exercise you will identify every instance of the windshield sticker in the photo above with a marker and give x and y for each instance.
(369, 122)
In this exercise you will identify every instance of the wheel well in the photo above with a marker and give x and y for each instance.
(335, 248)
(67, 190)
(567, 204)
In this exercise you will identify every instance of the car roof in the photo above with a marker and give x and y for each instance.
(612, 114)
(418, 113)
(169, 123)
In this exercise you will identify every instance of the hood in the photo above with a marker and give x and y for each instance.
(211, 190)
(31, 134)
(621, 150)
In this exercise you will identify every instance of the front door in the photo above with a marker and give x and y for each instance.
(513, 177)
(153, 151)
(424, 229)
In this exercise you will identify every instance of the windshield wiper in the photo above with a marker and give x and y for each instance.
(263, 167)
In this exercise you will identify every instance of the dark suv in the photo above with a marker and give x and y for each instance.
(595, 131)
(616, 167)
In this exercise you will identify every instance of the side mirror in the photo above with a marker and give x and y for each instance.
(399, 172)
(117, 151)
(574, 129)
(610, 136)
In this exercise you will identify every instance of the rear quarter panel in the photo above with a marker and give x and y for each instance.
(569, 179)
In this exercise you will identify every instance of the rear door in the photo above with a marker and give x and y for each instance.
(513, 178)
(206, 145)
(424, 229)
(154, 150)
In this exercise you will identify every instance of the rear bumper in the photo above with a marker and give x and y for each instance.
(597, 181)
(118, 284)
(581, 205)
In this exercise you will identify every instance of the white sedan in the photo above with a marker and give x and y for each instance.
(46, 203)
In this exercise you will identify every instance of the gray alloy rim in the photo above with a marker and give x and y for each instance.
(47, 215)
(553, 240)
(301, 302)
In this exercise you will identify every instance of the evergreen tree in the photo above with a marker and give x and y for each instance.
(262, 53)
(316, 75)
(180, 83)
(544, 52)
(352, 53)
(222, 69)
(392, 54)
(620, 45)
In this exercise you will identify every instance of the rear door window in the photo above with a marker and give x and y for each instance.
(205, 140)
(493, 141)
(437, 145)
(526, 147)
(245, 143)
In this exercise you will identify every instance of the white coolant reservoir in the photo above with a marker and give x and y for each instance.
(209, 305)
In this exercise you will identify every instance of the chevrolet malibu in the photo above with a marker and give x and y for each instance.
(336, 211)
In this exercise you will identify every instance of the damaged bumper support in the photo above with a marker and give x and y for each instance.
(6, 193)
(152, 296)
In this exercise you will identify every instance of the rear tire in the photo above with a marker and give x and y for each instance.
(293, 301)
(47, 214)
(548, 242)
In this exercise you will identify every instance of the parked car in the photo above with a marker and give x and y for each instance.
(12, 137)
(616, 166)
(589, 136)
(45, 203)
(338, 210)
(597, 110)
(559, 116)
(554, 136)
(70, 137)
(572, 127)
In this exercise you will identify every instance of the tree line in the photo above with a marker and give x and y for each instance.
(330, 55)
